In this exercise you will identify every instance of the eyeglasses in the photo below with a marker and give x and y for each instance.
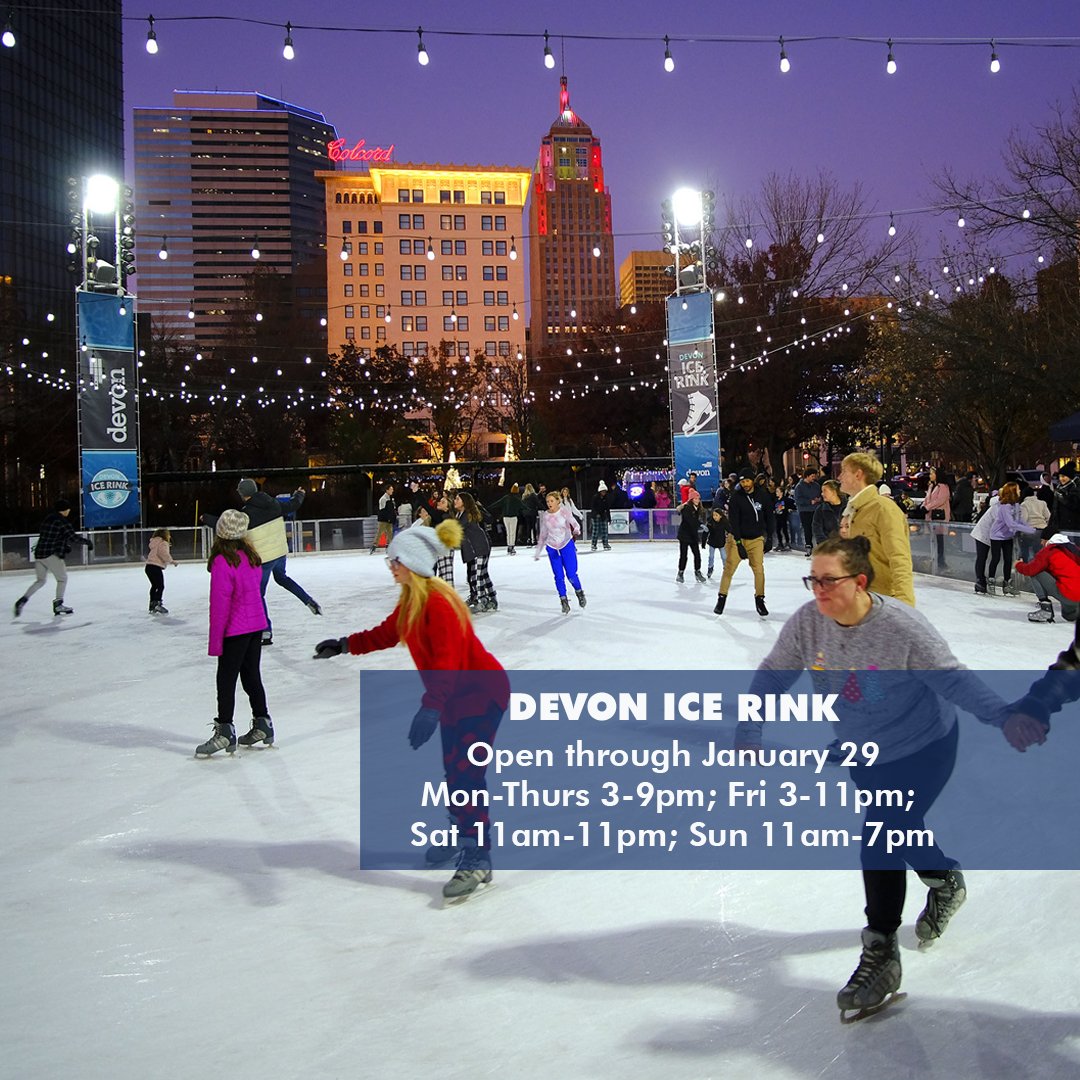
(826, 584)
(392, 561)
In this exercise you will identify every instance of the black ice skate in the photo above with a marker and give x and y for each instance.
(474, 870)
(679, 577)
(876, 977)
(581, 597)
(19, 605)
(313, 605)
(947, 893)
(1043, 613)
(60, 608)
(700, 576)
(224, 738)
(262, 731)
(759, 603)
(721, 600)
(565, 605)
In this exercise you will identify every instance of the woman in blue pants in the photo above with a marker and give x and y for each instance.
(558, 527)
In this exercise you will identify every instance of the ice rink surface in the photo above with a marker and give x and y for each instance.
(165, 917)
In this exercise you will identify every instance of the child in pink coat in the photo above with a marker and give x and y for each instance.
(158, 557)
(237, 620)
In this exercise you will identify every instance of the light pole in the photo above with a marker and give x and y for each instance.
(691, 212)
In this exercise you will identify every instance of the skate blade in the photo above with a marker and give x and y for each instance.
(481, 890)
(848, 1016)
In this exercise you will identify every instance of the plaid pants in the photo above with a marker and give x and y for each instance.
(444, 568)
(481, 591)
(599, 532)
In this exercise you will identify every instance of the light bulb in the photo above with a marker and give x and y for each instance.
(596, 251)
(892, 225)
(785, 63)
(288, 51)
(191, 310)
(513, 248)
(163, 251)
(960, 222)
(995, 63)
(669, 62)
(430, 250)
(151, 38)
(890, 64)
(344, 253)
(549, 59)
(255, 252)
(421, 53)
(749, 241)
(8, 37)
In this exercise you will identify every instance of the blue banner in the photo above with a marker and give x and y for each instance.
(110, 486)
(712, 770)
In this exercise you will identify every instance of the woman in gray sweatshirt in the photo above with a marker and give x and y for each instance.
(898, 683)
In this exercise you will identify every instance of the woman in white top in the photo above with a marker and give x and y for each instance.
(558, 527)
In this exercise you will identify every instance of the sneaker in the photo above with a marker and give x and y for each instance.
(721, 600)
(701, 412)
(474, 870)
(1043, 613)
(947, 893)
(314, 608)
(679, 577)
(565, 605)
(262, 731)
(878, 973)
(60, 608)
(19, 605)
(759, 603)
(224, 738)
(699, 575)
(581, 597)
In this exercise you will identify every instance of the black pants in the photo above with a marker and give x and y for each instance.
(240, 655)
(807, 519)
(157, 583)
(783, 534)
(999, 548)
(689, 542)
(925, 772)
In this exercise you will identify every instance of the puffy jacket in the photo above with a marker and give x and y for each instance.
(1062, 561)
(474, 541)
(160, 554)
(1036, 511)
(236, 605)
(266, 531)
(601, 507)
(938, 498)
(883, 523)
(1065, 514)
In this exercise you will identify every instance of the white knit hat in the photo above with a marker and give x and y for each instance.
(1059, 538)
(601, 486)
(884, 489)
(418, 547)
(232, 525)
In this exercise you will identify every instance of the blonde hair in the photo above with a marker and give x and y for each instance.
(164, 534)
(415, 593)
(529, 489)
(832, 485)
(867, 464)
(554, 495)
(1009, 493)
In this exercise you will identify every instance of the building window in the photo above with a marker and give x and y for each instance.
(406, 297)
(420, 272)
(461, 273)
(446, 221)
(447, 298)
(421, 297)
(363, 289)
(459, 222)
(489, 323)
(378, 248)
(407, 323)
(365, 311)
(463, 348)
(362, 248)
(404, 247)
(489, 298)
(346, 269)
(447, 272)
(380, 333)
(350, 333)
(500, 198)
(348, 290)
(459, 195)
(365, 333)
(421, 348)
(380, 311)
(447, 324)
(406, 273)
(502, 298)
(376, 226)
(380, 290)
(459, 247)
(487, 247)
(418, 247)
(504, 348)
(379, 267)
(418, 221)
(485, 222)
(417, 195)
(485, 198)
(361, 226)
(461, 299)
(402, 195)
(363, 269)
(444, 195)
(500, 223)
(489, 348)
(408, 348)
(421, 324)
(463, 322)
(349, 312)
(500, 247)
(504, 323)
(489, 273)
(446, 247)
(404, 221)
(346, 227)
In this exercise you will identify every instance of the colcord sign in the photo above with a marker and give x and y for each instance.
(360, 152)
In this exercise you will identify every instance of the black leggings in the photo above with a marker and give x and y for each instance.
(999, 549)
(926, 772)
(688, 543)
(157, 583)
(240, 655)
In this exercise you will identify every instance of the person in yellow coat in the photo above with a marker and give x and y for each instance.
(882, 522)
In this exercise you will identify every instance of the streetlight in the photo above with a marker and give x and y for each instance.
(686, 202)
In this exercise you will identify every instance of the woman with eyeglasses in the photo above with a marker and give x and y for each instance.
(854, 642)
(465, 688)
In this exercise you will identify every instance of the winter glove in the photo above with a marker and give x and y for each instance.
(423, 727)
(740, 549)
(331, 647)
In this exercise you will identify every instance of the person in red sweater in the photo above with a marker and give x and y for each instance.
(237, 620)
(466, 690)
(1055, 572)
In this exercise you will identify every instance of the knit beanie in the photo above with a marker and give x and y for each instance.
(246, 488)
(884, 489)
(747, 474)
(601, 486)
(418, 547)
(61, 505)
(232, 525)
(1059, 538)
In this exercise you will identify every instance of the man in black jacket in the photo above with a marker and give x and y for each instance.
(1065, 513)
(54, 542)
(748, 514)
(962, 504)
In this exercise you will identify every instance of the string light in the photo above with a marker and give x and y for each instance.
(163, 251)
(421, 53)
(255, 252)
(344, 253)
(669, 61)
(549, 59)
(191, 310)
(288, 51)
(892, 225)
(513, 249)
(995, 63)
(890, 64)
(749, 241)
(151, 37)
(785, 63)
(960, 222)
(8, 37)
(430, 250)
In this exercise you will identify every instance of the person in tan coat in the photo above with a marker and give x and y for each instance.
(882, 522)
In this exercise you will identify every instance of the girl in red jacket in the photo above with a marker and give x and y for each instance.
(237, 620)
(1054, 572)
(465, 688)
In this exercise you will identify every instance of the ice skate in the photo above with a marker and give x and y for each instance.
(992, 587)
(489, 605)
(701, 412)
(875, 979)
(980, 588)
(313, 607)
(679, 577)
(1043, 613)
(709, 575)
(60, 608)
(224, 738)
(262, 731)
(473, 871)
(946, 895)
(19, 605)
(721, 600)
(699, 576)
(565, 605)
(267, 638)
(581, 597)
(759, 603)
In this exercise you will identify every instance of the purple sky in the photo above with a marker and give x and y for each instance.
(724, 119)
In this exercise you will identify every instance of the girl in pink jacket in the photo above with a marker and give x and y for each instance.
(158, 557)
(558, 527)
(237, 620)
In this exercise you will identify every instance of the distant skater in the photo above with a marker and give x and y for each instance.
(55, 538)
(558, 527)
(157, 559)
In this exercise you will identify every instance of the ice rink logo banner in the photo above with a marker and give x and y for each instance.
(718, 770)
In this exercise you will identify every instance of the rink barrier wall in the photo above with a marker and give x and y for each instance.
(129, 544)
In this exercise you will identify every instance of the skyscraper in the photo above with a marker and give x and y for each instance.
(571, 248)
(219, 177)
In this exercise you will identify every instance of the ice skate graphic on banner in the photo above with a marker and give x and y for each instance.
(695, 422)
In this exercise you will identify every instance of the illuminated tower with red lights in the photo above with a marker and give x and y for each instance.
(571, 249)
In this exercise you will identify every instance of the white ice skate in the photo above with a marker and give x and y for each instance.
(701, 412)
